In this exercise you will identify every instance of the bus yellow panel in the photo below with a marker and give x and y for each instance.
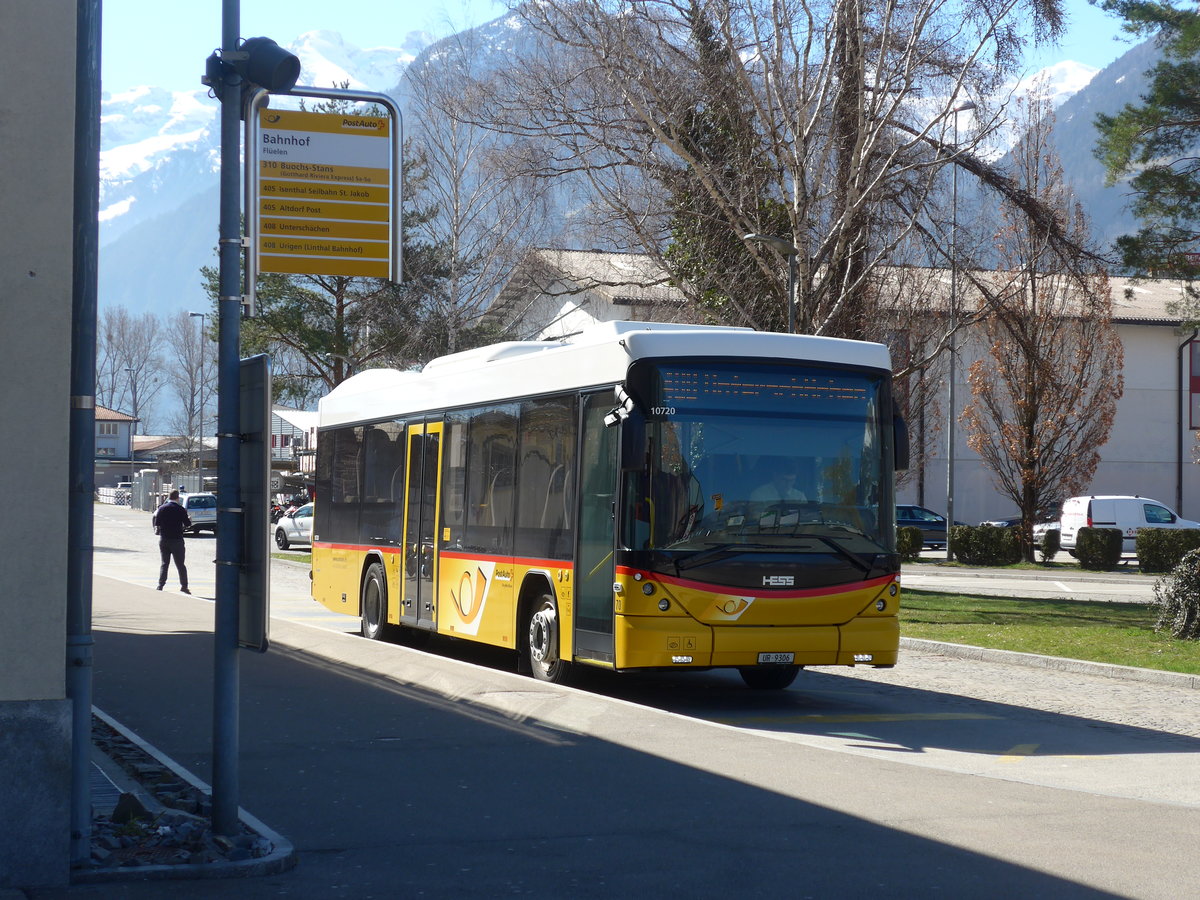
(736, 645)
(874, 636)
(647, 641)
(475, 599)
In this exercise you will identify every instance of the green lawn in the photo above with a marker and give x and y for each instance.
(292, 556)
(1120, 633)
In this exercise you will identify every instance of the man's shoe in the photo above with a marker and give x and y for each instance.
(184, 591)
(159, 588)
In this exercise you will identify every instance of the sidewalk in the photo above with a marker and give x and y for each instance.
(1127, 575)
(398, 773)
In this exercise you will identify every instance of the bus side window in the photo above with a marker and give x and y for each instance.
(488, 502)
(545, 478)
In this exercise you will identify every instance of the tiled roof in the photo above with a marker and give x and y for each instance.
(621, 278)
(104, 414)
(635, 279)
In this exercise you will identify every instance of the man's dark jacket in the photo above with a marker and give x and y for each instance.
(171, 519)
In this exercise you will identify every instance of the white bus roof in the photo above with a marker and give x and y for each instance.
(598, 356)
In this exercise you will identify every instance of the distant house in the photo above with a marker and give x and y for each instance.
(114, 459)
(1152, 448)
(555, 293)
(293, 439)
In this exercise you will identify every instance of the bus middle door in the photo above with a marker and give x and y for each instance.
(419, 605)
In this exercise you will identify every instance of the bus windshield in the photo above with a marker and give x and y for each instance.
(771, 458)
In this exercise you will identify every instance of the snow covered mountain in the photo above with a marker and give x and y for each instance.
(159, 169)
(159, 163)
(158, 147)
(1059, 82)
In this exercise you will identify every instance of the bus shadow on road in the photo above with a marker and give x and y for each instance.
(331, 759)
(867, 714)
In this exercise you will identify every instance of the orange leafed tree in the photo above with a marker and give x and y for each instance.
(1046, 384)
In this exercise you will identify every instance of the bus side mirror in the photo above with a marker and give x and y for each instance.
(633, 443)
(900, 442)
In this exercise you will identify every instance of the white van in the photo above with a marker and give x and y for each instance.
(201, 509)
(1127, 514)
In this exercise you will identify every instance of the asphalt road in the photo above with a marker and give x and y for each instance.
(987, 757)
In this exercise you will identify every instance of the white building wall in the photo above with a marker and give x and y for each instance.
(1140, 457)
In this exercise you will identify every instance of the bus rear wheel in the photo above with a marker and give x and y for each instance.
(769, 678)
(543, 642)
(374, 603)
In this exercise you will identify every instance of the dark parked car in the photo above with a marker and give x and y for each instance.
(932, 525)
(1044, 515)
(1010, 522)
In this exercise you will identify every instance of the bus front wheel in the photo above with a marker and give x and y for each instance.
(374, 603)
(769, 678)
(543, 642)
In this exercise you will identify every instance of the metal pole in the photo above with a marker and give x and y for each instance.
(82, 451)
(962, 107)
(132, 432)
(229, 521)
(200, 424)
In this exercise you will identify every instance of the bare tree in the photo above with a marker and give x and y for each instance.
(128, 362)
(1045, 389)
(488, 211)
(190, 372)
(824, 123)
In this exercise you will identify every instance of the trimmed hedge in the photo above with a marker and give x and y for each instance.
(1162, 549)
(909, 543)
(985, 545)
(1051, 544)
(1098, 549)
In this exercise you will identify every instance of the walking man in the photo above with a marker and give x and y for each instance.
(169, 523)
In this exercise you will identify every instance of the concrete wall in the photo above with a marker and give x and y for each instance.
(37, 67)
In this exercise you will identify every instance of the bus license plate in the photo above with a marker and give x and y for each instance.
(775, 659)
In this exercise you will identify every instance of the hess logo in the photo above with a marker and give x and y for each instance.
(778, 581)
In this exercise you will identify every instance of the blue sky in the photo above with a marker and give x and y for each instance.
(165, 42)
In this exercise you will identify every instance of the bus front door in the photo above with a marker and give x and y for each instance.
(419, 605)
(597, 496)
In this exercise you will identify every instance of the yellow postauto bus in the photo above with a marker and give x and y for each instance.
(637, 496)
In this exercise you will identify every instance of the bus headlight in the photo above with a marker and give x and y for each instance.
(664, 604)
(881, 604)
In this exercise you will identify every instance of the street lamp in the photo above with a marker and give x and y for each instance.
(965, 106)
(132, 429)
(788, 249)
(200, 425)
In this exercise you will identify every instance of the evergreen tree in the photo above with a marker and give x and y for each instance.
(1155, 143)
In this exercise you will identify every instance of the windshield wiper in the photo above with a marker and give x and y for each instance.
(853, 558)
(700, 557)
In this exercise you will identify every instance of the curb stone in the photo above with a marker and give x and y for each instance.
(281, 858)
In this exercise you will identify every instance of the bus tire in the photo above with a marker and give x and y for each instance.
(768, 678)
(542, 641)
(374, 603)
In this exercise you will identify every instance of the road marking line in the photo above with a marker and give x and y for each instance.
(1019, 752)
(1063, 587)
